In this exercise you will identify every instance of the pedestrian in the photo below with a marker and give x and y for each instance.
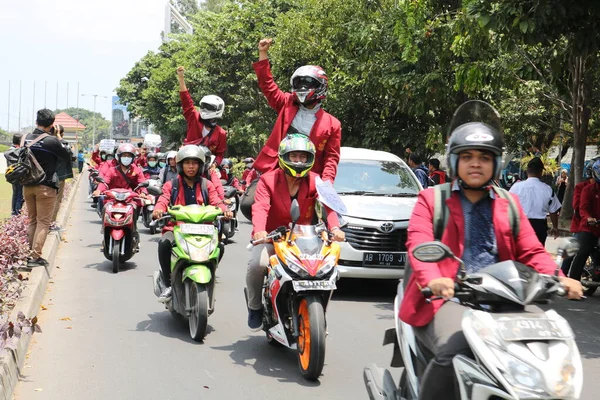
(40, 198)
(80, 160)
(538, 200)
(414, 162)
(64, 170)
(17, 189)
(561, 185)
(437, 175)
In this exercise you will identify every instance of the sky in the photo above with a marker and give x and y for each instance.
(93, 43)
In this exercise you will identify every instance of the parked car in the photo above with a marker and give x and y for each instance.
(379, 191)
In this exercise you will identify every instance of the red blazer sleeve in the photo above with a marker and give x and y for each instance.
(332, 218)
(261, 207)
(420, 229)
(221, 146)
(216, 181)
(96, 158)
(191, 116)
(332, 153)
(529, 250)
(213, 197)
(275, 96)
(577, 198)
(162, 203)
(107, 179)
(139, 178)
(585, 203)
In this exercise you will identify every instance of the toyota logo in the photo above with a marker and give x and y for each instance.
(387, 227)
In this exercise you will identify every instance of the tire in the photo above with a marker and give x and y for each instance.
(588, 276)
(116, 255)
(225, 232)
(311, 342)
(198, 301)
(153, 230)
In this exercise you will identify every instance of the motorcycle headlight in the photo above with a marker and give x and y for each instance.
(295, 267)
(326, 267)
(519, 374)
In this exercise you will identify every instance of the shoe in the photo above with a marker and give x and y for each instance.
(39, 262)
(165, 296)
(93, 205)
(55, 227)
(255, 320)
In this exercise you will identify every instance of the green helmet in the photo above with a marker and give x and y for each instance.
(292, 143)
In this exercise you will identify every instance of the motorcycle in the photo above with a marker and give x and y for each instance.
(233, 195)
(518, 354)
(301, 278)
(590, 277)
(194, 261)
(154, 187)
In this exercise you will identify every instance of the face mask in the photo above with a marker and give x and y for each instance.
(162, 164)
(152, 164)
(209, 123)
(126, 161)
(109, 158)
(103, 157)
(226, 171)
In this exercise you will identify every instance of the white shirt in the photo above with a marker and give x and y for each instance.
(537, 198)
(305, 119)
(205, 131)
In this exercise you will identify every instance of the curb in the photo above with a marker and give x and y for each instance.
(29, 301)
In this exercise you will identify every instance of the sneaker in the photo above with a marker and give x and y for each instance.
(255, 320)
(55, 227)
(39, 262)
(93, 205)
(165, 296)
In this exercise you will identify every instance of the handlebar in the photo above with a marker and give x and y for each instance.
(169, 216)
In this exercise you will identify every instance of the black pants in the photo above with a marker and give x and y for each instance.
(587, 242)
(566, 265)
(540, 226)
(165, 246)
(17, 198)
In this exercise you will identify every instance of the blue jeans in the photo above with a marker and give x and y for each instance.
(17, 199)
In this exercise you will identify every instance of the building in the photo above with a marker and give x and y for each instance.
(73, 128)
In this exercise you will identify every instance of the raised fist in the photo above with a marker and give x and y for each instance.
(180, 71)
(264, 44)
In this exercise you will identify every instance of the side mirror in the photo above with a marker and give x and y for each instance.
(432, 252)
(569, 245)
(144, 184)
(295, 211)
(343, 222)
(100, 179)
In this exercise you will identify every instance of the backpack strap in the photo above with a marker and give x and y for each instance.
(174, 190)
(203, 190)
(513, 211)
(37, 139)
(440, 210)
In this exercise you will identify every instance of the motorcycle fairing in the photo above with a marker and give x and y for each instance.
(473, 382)
(198, 273)
(117, 234)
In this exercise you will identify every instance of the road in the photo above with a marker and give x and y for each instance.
(106, 337)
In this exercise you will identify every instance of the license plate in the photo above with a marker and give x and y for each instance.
(384, 259)
(300, 286)
(530, 329)
(197, 229)
(119, 209)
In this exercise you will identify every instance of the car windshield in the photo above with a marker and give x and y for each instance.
(375, 178)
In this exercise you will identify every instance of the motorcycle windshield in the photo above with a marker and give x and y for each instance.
(307, 239)
(517, 279)
(475, 111)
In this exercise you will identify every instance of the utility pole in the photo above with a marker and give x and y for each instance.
(33, 108)
(8, 115)
(20, 87)
(94, 123)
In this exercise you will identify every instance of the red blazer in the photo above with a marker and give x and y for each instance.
(272, 202)
(215, 141)
(576, 200)
(527, 249)
(326, 133)
(215, 178)
(248, 176)
(115, 180)
(105, 166)
(589, 207)
(142, 160)
(164, 201)
(96, 158)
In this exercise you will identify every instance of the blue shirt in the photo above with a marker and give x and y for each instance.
(80, 157)
(480, 245)
(422, 177)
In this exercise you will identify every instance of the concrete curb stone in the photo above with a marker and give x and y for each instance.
(30, 300)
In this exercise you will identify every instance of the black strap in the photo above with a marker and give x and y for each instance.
(203, 190)
(125, 177)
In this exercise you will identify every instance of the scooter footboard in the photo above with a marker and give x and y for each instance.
(474, 383)
(379, 383)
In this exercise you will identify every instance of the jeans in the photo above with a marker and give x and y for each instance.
(17, 199)
(59, 198)
(165, 246)
(80, 166)
(255, 275)
(40, 202)
(587, 242)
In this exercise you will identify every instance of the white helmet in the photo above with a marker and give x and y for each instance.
(171, 154)
(211, 107)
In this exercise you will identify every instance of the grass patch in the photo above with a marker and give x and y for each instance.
(5, 197)
(3, 148)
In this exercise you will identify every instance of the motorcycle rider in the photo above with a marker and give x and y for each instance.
(162, 160)
(190, 164)
(227, 174)
(211, 172)
(169, 172)
(589, 232)
(249, 173)
(299, 111)
(152, 168)
(271, 209)
(479, 232)
(202, 128)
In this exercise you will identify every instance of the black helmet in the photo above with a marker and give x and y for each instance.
(226, 163)
(588, 172)
(475, 126)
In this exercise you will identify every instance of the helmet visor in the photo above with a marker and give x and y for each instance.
(475, 111)
(209, 107)
(305, 83)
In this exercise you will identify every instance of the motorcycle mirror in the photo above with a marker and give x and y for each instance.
(144, 184)
(570, 246)
(343, 222)
(100, 179)
(432, 252)
(295, 211)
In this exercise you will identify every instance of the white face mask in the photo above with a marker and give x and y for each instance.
(226, 170)
(126, 161)
(152, 164)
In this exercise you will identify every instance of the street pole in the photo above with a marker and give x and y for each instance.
(94, 118)
(33, 108)
(20, 87)
(8, 115)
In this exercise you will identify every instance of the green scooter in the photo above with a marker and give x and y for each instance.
(194, 259)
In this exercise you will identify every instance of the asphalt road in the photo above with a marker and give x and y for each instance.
(106, 337)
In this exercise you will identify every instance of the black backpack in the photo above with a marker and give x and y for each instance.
(24, 168)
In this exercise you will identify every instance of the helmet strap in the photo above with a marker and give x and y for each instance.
(467, 187)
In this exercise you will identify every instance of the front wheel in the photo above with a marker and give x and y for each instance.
(116, 255)
(311, 342)
(197, 301)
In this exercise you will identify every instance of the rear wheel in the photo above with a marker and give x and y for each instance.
(311, 342)
(197, 301)
(116, 255)
(589, 275)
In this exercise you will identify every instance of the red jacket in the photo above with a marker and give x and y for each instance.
(96, 158)
(248, 176)
(215, 178)
(527, 249)
(141, 161)
(576, 200)
(164, 201)
(326, 133)
(272, 202)
(589, 207)
(115, 180)
(105, 166)
(215, 141)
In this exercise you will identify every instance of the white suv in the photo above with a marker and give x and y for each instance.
(380, 192)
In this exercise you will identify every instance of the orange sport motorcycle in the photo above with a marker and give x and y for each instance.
(301, 278)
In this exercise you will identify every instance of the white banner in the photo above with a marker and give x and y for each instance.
(329, 197)
(107, 145)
